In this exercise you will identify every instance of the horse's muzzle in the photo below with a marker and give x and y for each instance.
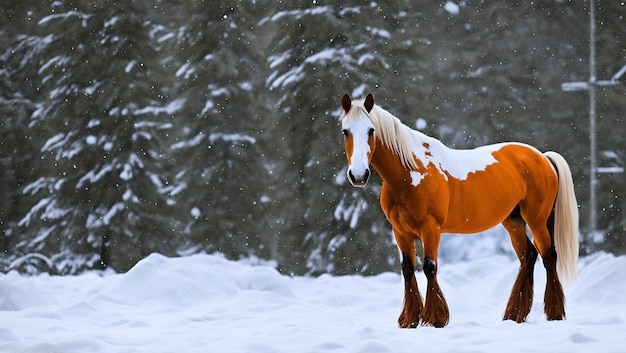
(359, 181)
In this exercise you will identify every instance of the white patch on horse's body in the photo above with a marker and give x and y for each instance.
(458, 164)
(416, 178)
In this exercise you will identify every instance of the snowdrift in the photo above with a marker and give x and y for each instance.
(205, 303)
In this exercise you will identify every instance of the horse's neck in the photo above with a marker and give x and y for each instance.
(425, 149)
(388, 164)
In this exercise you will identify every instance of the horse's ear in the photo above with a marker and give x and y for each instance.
(369, 102)
(346, 103)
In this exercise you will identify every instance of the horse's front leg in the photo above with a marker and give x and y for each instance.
(435, 312)
(412, 305)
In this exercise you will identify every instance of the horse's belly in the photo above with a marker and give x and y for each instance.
(472, 224)
(474, 217)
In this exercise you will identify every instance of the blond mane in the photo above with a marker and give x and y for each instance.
(390, 130)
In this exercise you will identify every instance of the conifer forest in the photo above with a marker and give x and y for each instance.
(180, 127)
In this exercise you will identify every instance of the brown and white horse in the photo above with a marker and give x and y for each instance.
(429, 189)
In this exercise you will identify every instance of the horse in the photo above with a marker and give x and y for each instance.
(429, 189)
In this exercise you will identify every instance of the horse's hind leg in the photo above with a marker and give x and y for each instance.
(554, 299)
(521, 299)
(412, 305)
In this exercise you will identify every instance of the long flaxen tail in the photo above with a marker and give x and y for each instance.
(565, 220)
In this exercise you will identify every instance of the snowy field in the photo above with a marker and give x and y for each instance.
(204, 303)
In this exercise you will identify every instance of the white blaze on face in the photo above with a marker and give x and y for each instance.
(359, 131)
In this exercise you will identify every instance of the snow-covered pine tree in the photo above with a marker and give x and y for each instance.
(220, 164)
(19, 149)
(101, 195)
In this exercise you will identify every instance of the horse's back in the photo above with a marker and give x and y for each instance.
(531, 165)
(486, 197)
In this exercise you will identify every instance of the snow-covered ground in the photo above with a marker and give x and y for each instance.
(205, 303)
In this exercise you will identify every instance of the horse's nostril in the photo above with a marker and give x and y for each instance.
(351, 176)
(366, 176)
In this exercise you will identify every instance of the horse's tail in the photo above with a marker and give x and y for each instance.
(565, 220)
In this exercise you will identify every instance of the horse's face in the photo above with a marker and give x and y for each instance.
(359, 140)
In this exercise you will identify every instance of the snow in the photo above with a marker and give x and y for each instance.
(81, 15)
(186, 70)
(294, 75)
(50, 208)
(169, 109)
(297, 14)
(451, 8)
(325, 55)
(350, 212)
(56, 141)
(379, 32)
(115, 209)
(207, 106)
(359, 91)
(234, 138)
(129, 195)
(205, 303)
(130, 65)
(365, 57)
(127, 173)
(59, 60)
(277, 60)
(196, 140)
(421, 124)
(95, 174)
(111, 22)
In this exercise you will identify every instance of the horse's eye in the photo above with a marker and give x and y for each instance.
(345, 132)
(370, 132)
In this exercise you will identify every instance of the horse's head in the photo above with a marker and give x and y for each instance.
(358, 132)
